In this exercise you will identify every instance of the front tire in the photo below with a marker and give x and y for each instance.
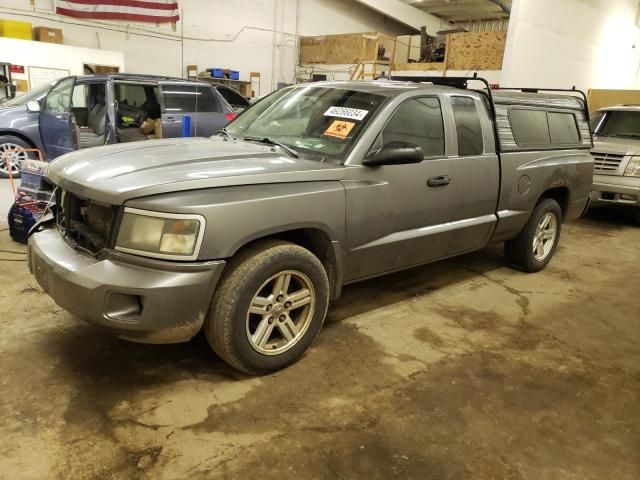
(534, 247)
(268, 307)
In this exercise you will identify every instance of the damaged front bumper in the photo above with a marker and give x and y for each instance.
(135, 298)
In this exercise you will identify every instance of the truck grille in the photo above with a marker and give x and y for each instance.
(85, 224)
(606, 162)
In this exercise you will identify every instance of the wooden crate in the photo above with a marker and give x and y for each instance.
(337, 49)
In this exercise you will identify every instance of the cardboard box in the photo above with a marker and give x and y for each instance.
(21, 85)
(16, 29)
(46, 34)
(148, 126)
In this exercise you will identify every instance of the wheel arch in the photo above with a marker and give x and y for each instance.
(20, 135)
(24, 137)
(317, 241)
(560, 194)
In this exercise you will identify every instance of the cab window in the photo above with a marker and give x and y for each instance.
(417, 121)
(468, 127)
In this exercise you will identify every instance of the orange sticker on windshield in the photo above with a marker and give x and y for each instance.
(339, 129)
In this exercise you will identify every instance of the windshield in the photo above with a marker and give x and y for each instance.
(320, 120)
(35, 94)
(616, 123)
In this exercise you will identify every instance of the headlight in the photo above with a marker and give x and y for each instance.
(633, 168)
(160, 235)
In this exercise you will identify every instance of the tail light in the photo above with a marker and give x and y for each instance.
(230, 116)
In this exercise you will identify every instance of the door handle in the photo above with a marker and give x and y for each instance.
(439, 181)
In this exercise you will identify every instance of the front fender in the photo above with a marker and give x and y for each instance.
(239, 215)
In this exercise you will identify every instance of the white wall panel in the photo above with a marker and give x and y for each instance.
(586, 43)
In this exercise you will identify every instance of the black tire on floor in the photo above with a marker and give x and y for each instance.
(226, 325)
(520, 251)
(11, 140)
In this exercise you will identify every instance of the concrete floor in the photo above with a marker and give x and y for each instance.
(460, 369)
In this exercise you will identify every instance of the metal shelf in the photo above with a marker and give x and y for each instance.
(9, 88)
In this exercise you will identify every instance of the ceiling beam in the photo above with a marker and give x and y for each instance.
(404, 13)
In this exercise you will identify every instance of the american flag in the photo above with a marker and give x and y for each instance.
(155, 11)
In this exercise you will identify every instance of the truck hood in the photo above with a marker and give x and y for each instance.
(116, 173)
(620, 146)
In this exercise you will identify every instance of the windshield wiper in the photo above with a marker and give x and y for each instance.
(271, 141)
(225, 132)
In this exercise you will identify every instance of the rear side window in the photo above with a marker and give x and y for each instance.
(206, 100)
(539, 128)
(232, 97)
(563, 128)
(529, 127)
(130, 94)
(417, 121)
(179, 98)
(468, 126)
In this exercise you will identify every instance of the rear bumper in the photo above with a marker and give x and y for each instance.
(137, 299)
(612, 190)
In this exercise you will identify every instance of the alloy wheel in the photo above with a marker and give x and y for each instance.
(545, 236)
(280, 312)
(12, 160)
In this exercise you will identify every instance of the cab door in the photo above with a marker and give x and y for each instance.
(398, 215)
(477, 174)
(57, 127)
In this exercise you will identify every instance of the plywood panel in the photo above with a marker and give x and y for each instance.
(419, 67)
(476, 51)
(600, 98)
(337, 49)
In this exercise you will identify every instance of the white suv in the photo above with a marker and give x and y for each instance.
(616, 155)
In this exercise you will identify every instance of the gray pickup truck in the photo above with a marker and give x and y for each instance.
(249, 234)
(616, 155)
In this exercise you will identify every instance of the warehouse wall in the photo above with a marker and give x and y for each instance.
(247, 35)
(586, 43)
(68, 59)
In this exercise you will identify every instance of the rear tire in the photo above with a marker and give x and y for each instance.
(268, 307)
(9, 142)
(536, 244)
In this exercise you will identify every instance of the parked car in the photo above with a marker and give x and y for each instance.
(616, 155)
(251, 233)
(233, 97)
(89, 111)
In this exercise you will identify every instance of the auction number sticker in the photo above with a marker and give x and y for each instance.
(344, 112)
(339, 129)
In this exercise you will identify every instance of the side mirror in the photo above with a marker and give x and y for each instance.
(395, 153)
(33, 106)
